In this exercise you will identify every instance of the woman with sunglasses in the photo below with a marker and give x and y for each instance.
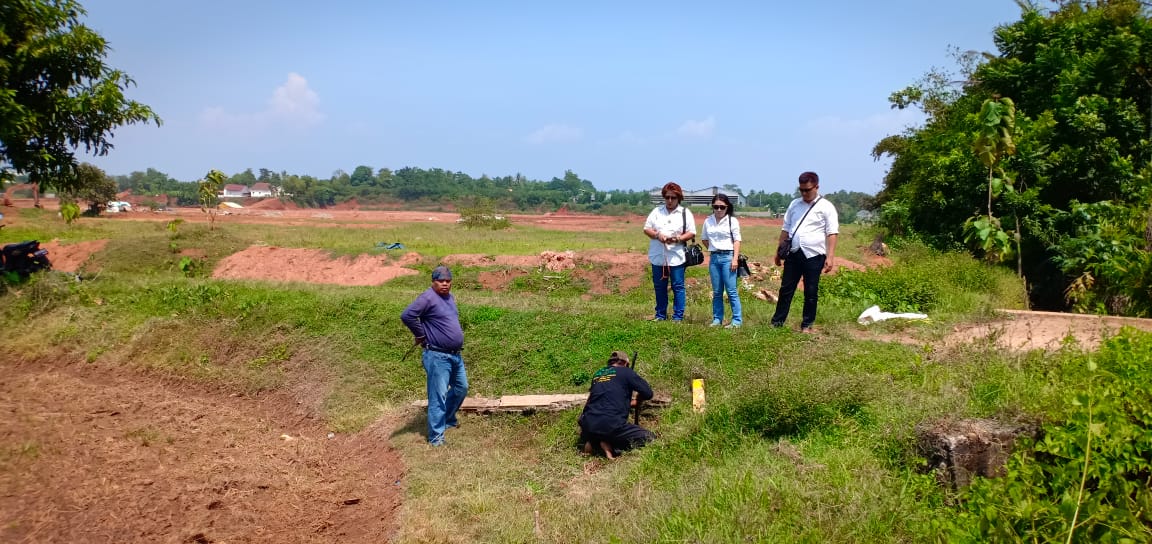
(721, 237)
(668, 227)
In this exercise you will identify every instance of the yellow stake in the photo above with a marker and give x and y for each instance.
(698, 395)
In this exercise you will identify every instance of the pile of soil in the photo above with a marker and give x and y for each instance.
(271, 204)
(70, 257)
(309, 266)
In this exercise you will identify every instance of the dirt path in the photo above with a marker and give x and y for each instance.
(91, 455)
(1021, 330)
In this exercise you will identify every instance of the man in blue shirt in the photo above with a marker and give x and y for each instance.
(435, 325)
(604, 421)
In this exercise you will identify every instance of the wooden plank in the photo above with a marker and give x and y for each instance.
(535, 403)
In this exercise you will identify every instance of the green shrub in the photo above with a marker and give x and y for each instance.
(1087, 479)
(792, 404)
(892, 290)
(483, 214)
(39, 293)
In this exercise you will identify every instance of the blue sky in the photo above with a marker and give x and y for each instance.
(629, 95)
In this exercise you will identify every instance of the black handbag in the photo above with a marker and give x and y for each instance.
(742, 269)
(693, 253)
(784, 248)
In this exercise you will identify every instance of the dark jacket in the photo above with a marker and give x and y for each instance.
(610, 399)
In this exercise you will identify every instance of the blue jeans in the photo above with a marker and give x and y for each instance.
(661, 277)
(724, 279)
(795, 267)
(447, 387)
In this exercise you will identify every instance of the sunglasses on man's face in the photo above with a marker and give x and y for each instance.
(670, 197)
(719, 207)
(803, 190)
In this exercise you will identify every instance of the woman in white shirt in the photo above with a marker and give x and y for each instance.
(669, 226)
(722, 238)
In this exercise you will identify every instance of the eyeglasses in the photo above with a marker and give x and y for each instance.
(803, 190)
(670, 197)
(719, 207)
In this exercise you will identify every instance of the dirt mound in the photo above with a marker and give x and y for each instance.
(94, 456)
(842, 263)
(307, 265)
(1022, 330)
(606, 271)
(70, 257)
(272, 204)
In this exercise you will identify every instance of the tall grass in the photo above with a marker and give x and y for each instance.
(805, 438)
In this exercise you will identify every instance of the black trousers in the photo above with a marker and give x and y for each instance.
(623, 438)
(795, 267)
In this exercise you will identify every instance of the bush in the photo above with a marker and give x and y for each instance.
(1087, 479)
(482, 214)
(790, 404)
(894, 290)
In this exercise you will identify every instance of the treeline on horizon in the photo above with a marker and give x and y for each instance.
(436, 186)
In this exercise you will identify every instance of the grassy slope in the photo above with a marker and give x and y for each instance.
(806, 438)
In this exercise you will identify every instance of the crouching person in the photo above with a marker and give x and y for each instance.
(604, 422)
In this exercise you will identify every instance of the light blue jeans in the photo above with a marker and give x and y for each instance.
(724, 280)
(660, 281)
(447, 387)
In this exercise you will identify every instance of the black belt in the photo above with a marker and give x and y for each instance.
(723, 251)
(442, 350)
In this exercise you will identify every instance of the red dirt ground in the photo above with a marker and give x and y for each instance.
(70, 257)
(91, 454)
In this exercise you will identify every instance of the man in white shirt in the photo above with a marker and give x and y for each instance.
(812, 224)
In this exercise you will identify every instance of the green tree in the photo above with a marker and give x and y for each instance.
(1076, 75)
(362, 175)
(246, 178)
(209, 189)
(56, 92)
(384, 178)
(93, 186)
(150, 182)
(995, 142)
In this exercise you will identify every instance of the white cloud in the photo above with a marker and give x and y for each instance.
(293, 104)
(555, 134)
(701, 130)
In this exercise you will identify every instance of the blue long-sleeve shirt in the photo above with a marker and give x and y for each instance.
(436, 319)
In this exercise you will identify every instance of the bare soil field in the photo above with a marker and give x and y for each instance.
(94, 454)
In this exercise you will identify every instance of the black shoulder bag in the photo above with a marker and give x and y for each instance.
(742, 269)
(693, 253)
(785, 246)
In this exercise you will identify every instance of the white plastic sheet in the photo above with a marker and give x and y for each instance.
(873, 314)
